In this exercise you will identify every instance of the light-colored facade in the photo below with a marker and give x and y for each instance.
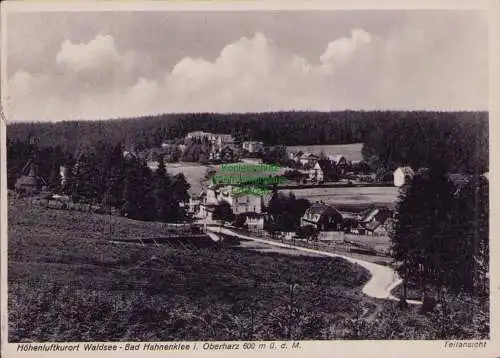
(402, 175)
(240, 204)
(254, 221)
(253, 147)
(215, 138)
(316, 174)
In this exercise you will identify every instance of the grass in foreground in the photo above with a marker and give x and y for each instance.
(65, 287)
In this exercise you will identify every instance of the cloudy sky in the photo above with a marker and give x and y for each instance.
(92, 65)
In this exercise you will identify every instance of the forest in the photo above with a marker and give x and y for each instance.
(103, 175)
(457, 140)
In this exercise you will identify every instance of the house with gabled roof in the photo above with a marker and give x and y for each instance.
(322, 217)
(376, 221)
(339, 160)
(29, 183)
(316, 174)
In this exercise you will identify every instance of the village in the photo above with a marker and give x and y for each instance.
(362, 225)
(286, 175)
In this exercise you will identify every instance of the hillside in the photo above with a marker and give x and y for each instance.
(68, 282)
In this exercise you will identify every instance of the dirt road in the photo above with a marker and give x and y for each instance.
(383, 278)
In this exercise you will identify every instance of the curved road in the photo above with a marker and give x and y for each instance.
(383, 279)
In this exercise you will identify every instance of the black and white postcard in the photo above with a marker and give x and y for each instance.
(235, 178)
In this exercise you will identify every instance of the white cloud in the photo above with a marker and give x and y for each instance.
(23, 83)
(100, 52)
(360, 71)
(343, 48)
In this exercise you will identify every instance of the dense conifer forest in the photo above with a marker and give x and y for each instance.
(456, 140)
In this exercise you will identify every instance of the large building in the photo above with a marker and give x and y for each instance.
(253, 147)
(240, 204)
(216, 139)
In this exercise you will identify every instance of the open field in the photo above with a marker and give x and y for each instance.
(350, 151)
(193, 172)
(350, 198)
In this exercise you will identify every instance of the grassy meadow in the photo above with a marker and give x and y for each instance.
(351, 198)
(67, 281)
(351, 152)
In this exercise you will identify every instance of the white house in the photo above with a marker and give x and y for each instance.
(254, 221)
(221, 140)
(316, 174)
(240, 204)
(402, 175)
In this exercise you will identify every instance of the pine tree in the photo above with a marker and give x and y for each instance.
(421, 237)
(55, 179)
(114, 187)
(163, 193)
(223, 212)
(180, 194)
(135, 191)
(467, 257)
(130, 207)
(408, 228)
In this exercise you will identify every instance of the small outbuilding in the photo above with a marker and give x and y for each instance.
(402, 175)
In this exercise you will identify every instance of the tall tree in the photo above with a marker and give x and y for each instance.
(55, 178)
(164, 200)
(223, 212)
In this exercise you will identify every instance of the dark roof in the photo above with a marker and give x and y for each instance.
(376, 214)
(458, 179)
(371, 226)
(422, 171)
(209, 206)
(337, 158)
(321, 208)
(318, 208)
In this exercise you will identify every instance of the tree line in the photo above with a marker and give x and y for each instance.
(440, 235)
(456, 140)
(104, 175)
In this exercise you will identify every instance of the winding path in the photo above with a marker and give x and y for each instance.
(383, 279)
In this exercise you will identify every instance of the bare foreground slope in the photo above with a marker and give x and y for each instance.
(68, 282)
